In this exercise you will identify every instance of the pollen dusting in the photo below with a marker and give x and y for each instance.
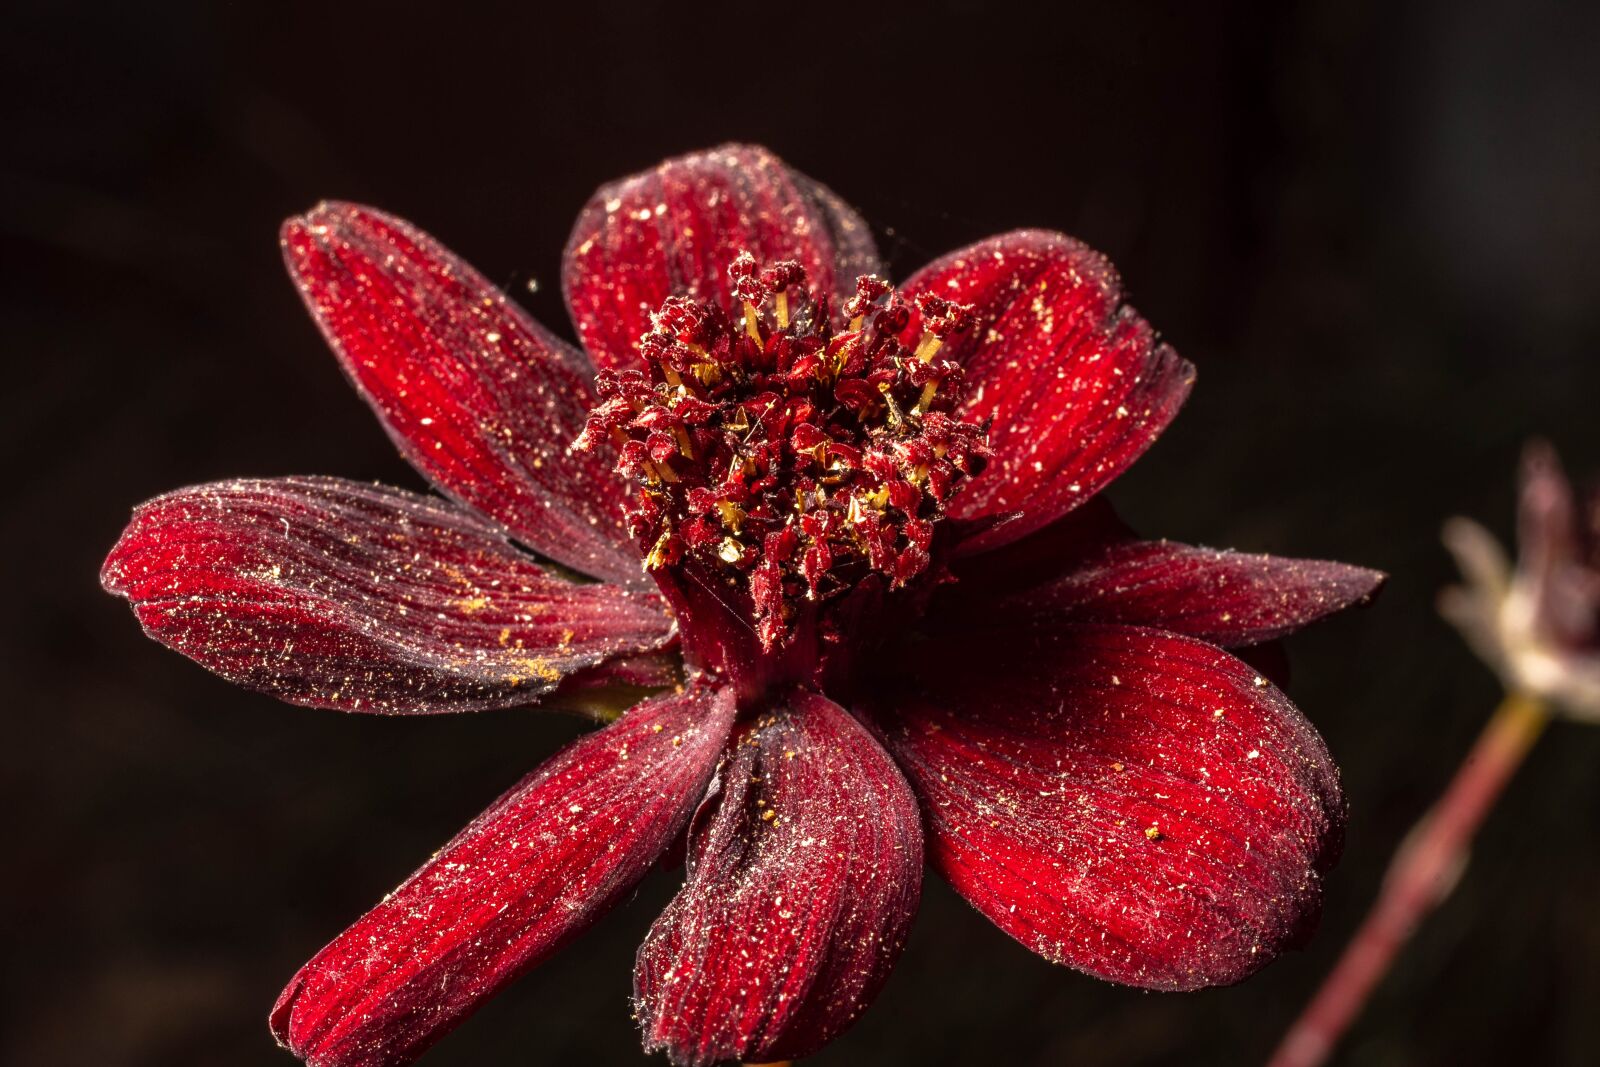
(803, 877)
(536, 668)
(786, 455)
(363, 598)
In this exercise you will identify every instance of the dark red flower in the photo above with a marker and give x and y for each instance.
(900, 610)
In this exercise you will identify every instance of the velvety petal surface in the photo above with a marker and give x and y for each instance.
(526, 876)
(805, 868)
(478, 396)
(673, 230)
(1033, 560)
(342, 595)
(1074, 380)
(1226, 598)
(647, 670)
(1136, 804)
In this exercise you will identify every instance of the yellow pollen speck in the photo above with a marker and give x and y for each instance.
(472, 605)
(1116, 766)
(536, 668)
(1152, 832)
(769, 815)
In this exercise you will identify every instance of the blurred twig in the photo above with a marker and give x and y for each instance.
(1424, 871)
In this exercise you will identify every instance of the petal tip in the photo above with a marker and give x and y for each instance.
(1367, 584)
(112, 577)
(281, 1019)
(326, 215)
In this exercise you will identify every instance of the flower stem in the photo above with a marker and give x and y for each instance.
(1420, 877)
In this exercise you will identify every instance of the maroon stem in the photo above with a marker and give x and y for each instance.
(1420, 877)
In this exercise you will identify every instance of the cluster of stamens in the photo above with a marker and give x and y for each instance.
(781, 451)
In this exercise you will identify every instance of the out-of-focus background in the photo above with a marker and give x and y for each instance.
(1375, 227)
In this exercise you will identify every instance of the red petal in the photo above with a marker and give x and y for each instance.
(1073, 378)
(650, 670)
(804, 876)
(336, 594)
(526, 876)
(1135, 804)
(477, 395)
(674, 230)
(1226, 598)
(1047, 552)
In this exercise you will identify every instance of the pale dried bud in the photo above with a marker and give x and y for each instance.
(1537, 623)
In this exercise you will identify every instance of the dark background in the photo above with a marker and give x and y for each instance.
(1375, 228)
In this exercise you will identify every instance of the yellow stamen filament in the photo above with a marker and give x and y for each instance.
(781, 307)
(751, 326)
(927, 347)
(656, 558)
(895, 417)
(684, 444)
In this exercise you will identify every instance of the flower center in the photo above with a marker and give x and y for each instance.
(785, 458)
